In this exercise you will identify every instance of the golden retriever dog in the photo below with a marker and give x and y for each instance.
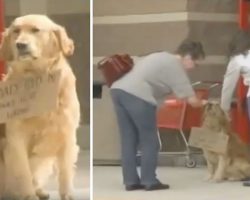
(2, 169)
(234, 165)
(34, 44)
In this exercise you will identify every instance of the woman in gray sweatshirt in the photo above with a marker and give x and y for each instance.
(239, 65)
(135, 97)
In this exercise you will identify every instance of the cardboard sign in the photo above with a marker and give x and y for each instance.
(28, 97)
(207, 139)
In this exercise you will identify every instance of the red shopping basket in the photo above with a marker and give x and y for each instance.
(177, 114)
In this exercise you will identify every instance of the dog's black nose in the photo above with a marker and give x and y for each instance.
(21, 46)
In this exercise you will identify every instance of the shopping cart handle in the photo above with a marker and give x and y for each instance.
(212, 82)
(196, 83)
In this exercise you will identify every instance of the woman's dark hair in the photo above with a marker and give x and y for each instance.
(239, 44)
(192, 48)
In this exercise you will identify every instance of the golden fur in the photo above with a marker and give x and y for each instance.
(34, 145)
(2, 169)
(234, 165)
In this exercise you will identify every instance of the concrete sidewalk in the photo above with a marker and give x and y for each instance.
(185, 183)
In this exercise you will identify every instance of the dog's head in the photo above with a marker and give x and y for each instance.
(214, 115)
(33, 37)
(213, 109)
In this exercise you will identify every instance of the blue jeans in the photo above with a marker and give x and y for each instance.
(248, 111)
(248, 107)
(137, 125)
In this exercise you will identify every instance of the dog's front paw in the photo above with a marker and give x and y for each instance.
(42, 195)
(209, 177)
(66, 197)
(234, 179)
(33, 197)
(10, 197)
(217, 179)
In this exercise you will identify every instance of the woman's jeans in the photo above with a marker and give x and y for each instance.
(137, 124)
(248, 108)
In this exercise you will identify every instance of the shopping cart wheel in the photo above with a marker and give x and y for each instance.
(190, 163)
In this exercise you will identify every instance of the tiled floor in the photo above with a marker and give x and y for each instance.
(186, 184)
(81, 181)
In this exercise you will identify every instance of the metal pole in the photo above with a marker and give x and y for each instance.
(242, 121)
(243, 14)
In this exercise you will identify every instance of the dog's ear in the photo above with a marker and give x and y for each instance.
(208, 106)
(218, 109)
(205, 110)
(5, 48)
(66, 43)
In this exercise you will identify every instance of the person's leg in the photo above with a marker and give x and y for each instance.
(247, 182)
(129, 141)
(144, 116)
(248, 107)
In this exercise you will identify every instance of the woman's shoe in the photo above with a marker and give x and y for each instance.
(157, 186)
(134, 187)
(246, 183)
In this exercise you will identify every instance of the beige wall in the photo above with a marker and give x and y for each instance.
(215, 34)
(143, 26)
(212, 6)
(129, 7)
(21, 7)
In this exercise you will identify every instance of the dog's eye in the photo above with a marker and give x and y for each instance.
(35, 30)
(17, 30)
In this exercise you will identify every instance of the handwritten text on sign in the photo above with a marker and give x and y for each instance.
(28, 97)
(207, 139)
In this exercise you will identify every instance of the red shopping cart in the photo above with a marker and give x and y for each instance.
(178, 115)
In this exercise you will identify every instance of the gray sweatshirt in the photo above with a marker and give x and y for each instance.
(237, 66)
(154, 77)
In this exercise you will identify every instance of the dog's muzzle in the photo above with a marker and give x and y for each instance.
(23, 49)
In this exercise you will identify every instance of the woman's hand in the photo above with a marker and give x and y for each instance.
(196, 102)
(204, 102)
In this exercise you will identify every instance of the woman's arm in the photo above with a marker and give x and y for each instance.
(231, 78)
(194, 101)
